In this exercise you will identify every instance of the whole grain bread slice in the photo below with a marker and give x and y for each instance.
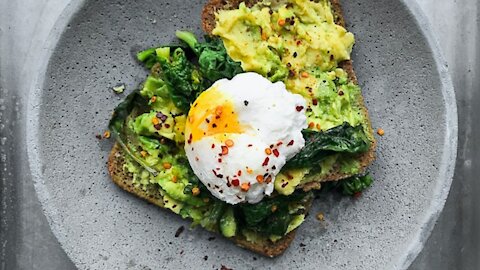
(267, 248)
(364, 159)
(124, 180)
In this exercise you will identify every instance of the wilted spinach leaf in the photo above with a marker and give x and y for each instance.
(117, 125)
(350, 186)
(271, 215)
(319, 145)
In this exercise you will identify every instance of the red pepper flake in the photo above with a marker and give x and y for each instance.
(239, 173)
(299, 42)
(219, 160)
(229, 143)
(299, 108)
(190, 137)
(311, 125)
(265, 162)
(224, 150)
(249, 170)
(289, 177)
(279, 143)
(290, 143)
(167, 126)
(235, 182)
(213, 145)
(284, 184)
(357, 194)
(106, 134)
(214, 125)
(197, 159)
(245, 186)
(276, 153)
(340, 93)
(259, 178)
(268, 151)
(157, 126)
(315, 102)
(268, 179)
(250, 145)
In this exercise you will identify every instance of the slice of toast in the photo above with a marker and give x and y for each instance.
(365, 159)
(267, 248)
(124, 180)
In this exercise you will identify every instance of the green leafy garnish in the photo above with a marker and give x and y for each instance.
(351, 186)
(272, 216)
(319, 145)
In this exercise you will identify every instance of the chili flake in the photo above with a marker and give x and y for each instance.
(268, 151)
(224, 150)
(259, 179)
(235, 182)
(290, 143)
(229, 143)
(380, 131)
(174, 179)
(218, 111)
(265, 162)
(304, 74)
(213, 145)
(106, 134)
(153, 99)
(249, 170)
(274, 208)
(245, 186)
(275, 152)
(311, 125)
(143, 153)
(195, 191)
(315, 102)
(268, 179)
(155, 121)
(281, 22)
(167, 165)
(299, 108)
(239, 173)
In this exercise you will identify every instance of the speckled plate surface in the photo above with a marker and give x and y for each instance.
(406, 89)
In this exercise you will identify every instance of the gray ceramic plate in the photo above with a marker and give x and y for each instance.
(101, 227)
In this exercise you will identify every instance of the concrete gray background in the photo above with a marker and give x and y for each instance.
(454, 243)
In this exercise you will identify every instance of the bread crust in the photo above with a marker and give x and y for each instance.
(364, 159)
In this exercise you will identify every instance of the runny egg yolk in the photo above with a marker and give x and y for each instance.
(212, 114)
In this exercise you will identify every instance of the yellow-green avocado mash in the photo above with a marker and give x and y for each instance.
(298, 43)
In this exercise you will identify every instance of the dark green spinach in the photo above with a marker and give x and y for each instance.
(117, 126)
(319, 145)
(271, 216)
(351, 186)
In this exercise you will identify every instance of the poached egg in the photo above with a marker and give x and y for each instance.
(240, 133)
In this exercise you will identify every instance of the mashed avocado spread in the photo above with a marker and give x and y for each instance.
(298, 43)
